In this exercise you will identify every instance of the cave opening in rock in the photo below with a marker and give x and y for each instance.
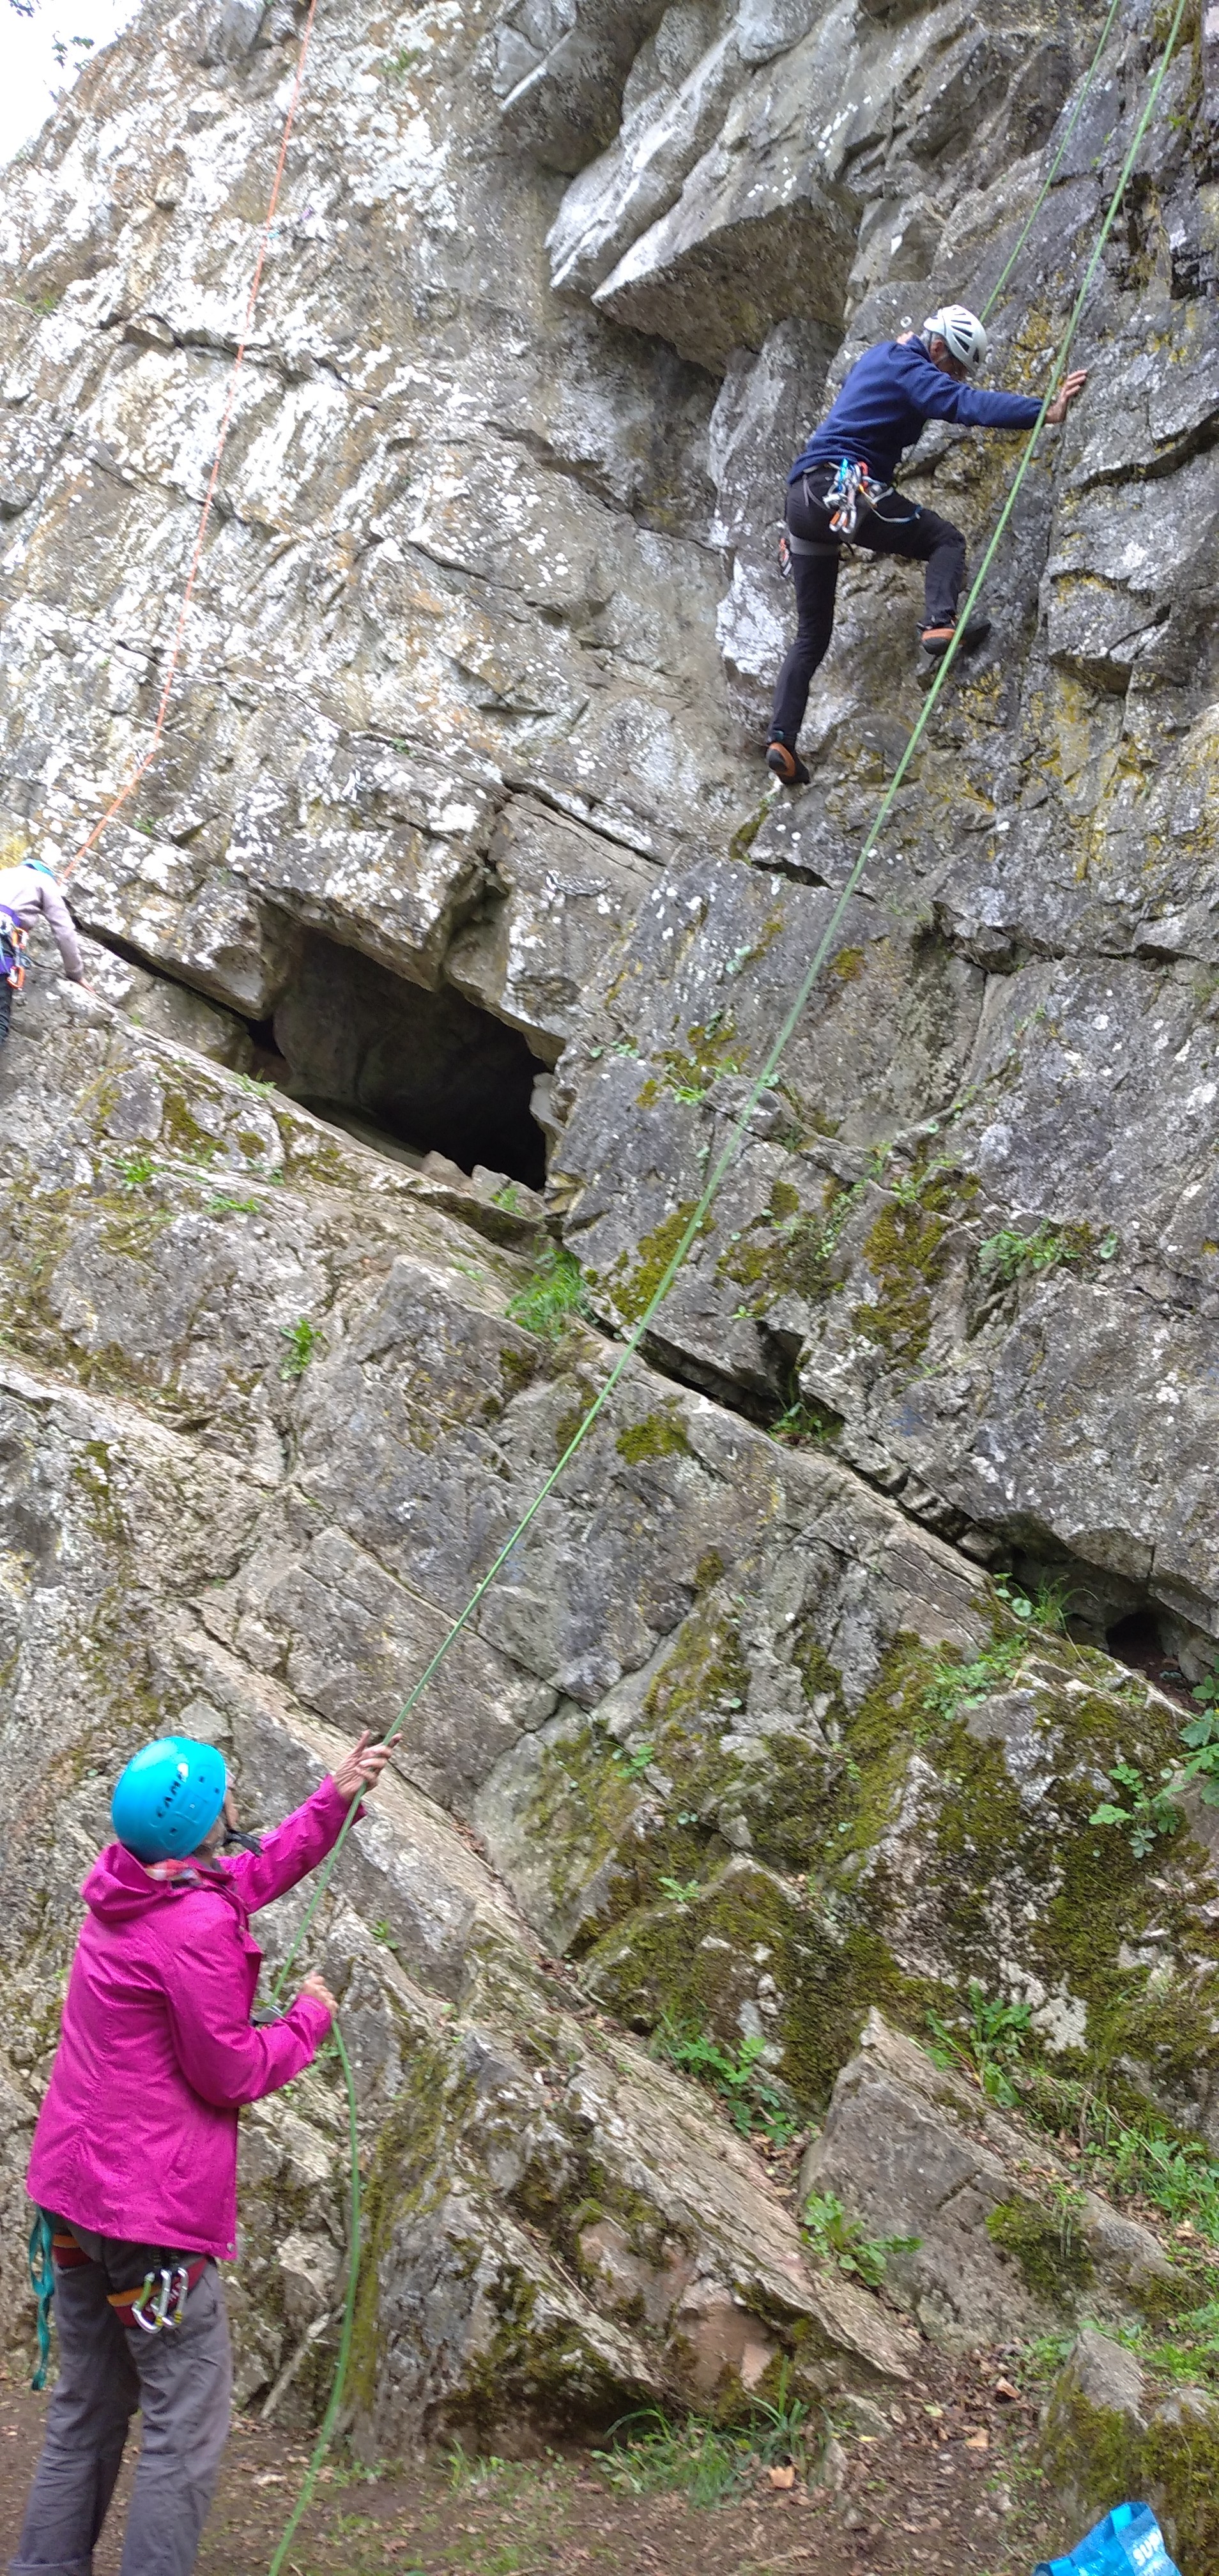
(1136, 1640)
(378, 1055)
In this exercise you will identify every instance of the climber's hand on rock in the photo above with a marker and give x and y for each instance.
(361, 1768)
(1070, 387)
(319, 1993)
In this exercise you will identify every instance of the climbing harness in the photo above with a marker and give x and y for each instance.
(158, 2303)
(13, 945)
(851, 491)
(693, 1227)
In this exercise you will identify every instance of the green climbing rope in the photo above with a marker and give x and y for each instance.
(725, 1159)
(331, 2416)
(1055, 165)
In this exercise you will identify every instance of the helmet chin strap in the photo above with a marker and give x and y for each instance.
(233, 1841)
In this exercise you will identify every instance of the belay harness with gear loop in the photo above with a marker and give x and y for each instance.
(14, 940)
(158, 2303)
(851, 491)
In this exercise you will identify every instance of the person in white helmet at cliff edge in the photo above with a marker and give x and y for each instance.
(29, 893)
(840, 490)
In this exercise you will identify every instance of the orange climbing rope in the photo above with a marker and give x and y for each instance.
(130, 784)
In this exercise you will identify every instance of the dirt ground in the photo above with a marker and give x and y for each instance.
(943, 2485)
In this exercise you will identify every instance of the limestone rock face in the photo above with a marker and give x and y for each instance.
(918, 2157)
(434, 960)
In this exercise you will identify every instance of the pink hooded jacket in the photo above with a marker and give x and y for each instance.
(137, 2136)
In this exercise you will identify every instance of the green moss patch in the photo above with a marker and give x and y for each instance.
(659, 1435)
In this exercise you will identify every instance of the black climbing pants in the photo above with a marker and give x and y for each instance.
(895, 527)
(6, 1000)
(180, 2380)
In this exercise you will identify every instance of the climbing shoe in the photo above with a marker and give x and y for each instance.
(936, 639)
(786, 764)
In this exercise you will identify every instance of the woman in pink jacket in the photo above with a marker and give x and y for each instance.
(135, 2154)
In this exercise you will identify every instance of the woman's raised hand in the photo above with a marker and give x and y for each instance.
(361, 1768)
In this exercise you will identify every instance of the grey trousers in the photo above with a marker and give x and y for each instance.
(181, 2381)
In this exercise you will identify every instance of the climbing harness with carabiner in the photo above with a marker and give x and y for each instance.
(161, 2299)
(14, 941)
(851, 491)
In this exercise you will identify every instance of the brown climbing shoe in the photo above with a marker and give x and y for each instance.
(786, 765)
(936, 639)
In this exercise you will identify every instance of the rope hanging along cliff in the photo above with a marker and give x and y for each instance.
(726, 1158)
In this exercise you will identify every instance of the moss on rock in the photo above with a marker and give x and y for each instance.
(1054, 2262)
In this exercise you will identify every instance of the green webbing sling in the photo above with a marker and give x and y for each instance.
(42, 2282)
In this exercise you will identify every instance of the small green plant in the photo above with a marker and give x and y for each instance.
(137, 1171)
(303, 1340)
(754, 2102)
(651, 2456)
(1145, 1809)
(805, 1420)
(553, 1296)
(232, 1207)
(395, 67)
(1201, 1737)
(953, 1687)
(636, 1762)
(709, 2463)
(989, 2044)
(680, 1891)
(836, 2238)
(508, 1197)
(1047, 1607)
(148, 828)
(1150, 1810)
(1008, 1256)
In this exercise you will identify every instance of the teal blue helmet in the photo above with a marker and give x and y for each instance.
(168, 1798)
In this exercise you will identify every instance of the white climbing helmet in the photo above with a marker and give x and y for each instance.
(962, 333)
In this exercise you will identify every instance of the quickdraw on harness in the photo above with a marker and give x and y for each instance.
(851, 491)
(161, 2298)
(13, 944)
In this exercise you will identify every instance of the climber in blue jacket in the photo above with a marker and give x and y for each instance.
(841, 490)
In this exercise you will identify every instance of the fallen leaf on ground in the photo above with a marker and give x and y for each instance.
(782, 2477)
(977, 2441)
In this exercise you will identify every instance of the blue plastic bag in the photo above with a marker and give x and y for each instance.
(1129, 2542)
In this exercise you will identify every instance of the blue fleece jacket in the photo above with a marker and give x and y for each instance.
(888, 395)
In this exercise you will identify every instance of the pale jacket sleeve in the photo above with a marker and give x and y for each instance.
(61, 922)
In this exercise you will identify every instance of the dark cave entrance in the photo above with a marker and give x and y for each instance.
(1136, 1640)
(372, 1053)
